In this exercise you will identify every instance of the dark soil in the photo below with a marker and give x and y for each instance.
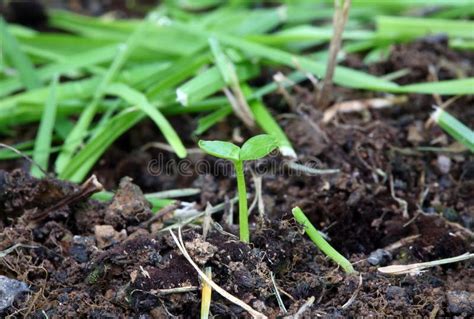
(109, 260)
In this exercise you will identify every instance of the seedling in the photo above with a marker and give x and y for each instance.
(255, 148)
(322, 244)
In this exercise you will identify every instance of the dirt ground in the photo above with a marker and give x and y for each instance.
(109, 260)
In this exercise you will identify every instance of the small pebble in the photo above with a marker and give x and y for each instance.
(9, 290)
(395, 292)
(379, 257)
(460, 302)
(80, 248)
(106, 235)
(444, 164)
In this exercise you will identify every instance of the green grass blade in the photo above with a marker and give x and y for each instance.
(343, 76)
(77, 89)
(229, 74)
(73, 62)
(142, 75)
(136, 98)
(42, 147)
(455, 128)
(81, 89)
(177, 42)
(320, 242)
(206, 122)
(410, 28)
(47, 47)
(75, 138)
(242, 21)
(225, 66)
(84, 160)
(456, 12)
(308, 33)
(447, 87)
(210, 82)
(461, 44)
(178, 72)
(262, 115)
(6, 153)
(89, 26)
(28, 107)
(256, 21)
(19, 59)
(62, 127)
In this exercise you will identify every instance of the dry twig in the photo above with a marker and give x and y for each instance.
(341, 14)
(417, 268)
(361, 105)
(403, 203)
(87, 189)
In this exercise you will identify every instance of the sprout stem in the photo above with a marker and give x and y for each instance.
(243, 210)
(322, 244)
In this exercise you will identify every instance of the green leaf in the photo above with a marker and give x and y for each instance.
(45, 132)
(211, 119)
(85, 159)
(179, 71)
(75, 62)
(447, 87)
(220, 149)
(24, 147)
(209, 82)
(75, 138)
(155, 37)
(19, 59)
(343, 76)
(257, 147)
(134, 97)
(225, 66)
(409, 27)
(268, 124)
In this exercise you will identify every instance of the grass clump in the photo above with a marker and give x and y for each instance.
(322, 244)
(206, 61)
(254, 148)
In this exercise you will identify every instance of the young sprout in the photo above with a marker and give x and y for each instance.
(253, 149)
(322, 244)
